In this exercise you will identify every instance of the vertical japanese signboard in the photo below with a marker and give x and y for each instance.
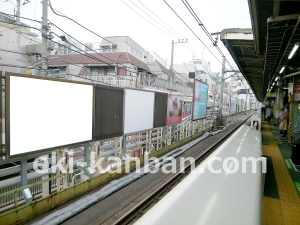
(199, 100)
(174, 113)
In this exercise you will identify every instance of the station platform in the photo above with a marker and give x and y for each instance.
(281, 201)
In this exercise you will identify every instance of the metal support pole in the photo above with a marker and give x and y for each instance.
(124, 144)
(173, 132)
(164, 135)
(44, 37)
(171, 67)
(148, 141)
(24, 180)
(221, 93)
(86, 153)
(18, 38)
(246, 100)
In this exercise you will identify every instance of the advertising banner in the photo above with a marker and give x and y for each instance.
(139, 110)
(199, 100)
(46, 113)
(174, 113)
(232, 105)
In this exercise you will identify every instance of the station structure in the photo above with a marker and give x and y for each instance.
(149, 164)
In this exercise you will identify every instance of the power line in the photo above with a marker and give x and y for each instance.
(160, 19)
(30, 39)
(6, 14)
(147, 20)
(22, 25)
(155, 20)
(193, 33)
(179, 35)
(77, 23)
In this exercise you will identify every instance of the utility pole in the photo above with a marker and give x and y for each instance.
(44, 37)
(221, 93)
(18, 37)
(172, 56)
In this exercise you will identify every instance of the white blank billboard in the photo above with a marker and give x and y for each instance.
(46, 114)
(139, 110)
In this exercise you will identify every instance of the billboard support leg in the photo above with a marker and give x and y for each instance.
(24, 181)
(164, 136)
(97, 154)
(124, 144)
(148, 140)
(159, 140)
(181, 131)
(61, 182)
(169, 135)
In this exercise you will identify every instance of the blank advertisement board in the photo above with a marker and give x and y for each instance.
(174, 113)
(139, 110)
(108, 118)
(199, 100)
(44, 113)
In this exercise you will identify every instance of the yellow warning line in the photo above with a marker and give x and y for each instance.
(285, 211)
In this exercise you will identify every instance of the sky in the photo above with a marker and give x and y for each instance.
(115, 18)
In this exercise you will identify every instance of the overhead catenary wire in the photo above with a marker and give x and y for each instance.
(155, 20)
(187, 5)
(193, 33)
(181, 36)
(147, 20)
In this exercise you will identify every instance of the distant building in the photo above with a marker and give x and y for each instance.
(8, 44)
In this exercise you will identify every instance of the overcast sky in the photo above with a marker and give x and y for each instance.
(114, 18)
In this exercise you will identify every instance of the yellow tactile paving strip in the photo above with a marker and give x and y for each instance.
(285, 211)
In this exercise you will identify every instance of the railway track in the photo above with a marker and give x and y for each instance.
(144, 204)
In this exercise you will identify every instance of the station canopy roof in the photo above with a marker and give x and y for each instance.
(262, 51)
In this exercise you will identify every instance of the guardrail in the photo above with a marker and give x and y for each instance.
(132, 82)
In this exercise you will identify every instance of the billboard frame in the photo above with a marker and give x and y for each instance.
(193, 100)
(124, 102)
(95, 125)
(7, 114)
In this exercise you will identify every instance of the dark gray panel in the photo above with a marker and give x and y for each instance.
(160, 109)
(108, 118)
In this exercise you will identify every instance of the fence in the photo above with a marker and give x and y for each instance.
(146, 81)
